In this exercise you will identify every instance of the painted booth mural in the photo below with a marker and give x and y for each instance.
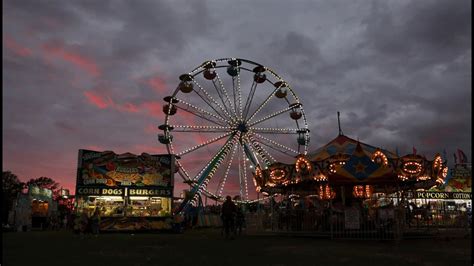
(110, 169)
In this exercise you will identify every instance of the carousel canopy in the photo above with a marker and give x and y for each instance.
(344, 145)
(359, 168)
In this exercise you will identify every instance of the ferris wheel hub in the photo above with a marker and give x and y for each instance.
(242, 127)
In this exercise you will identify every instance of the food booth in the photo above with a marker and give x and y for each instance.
(130, 192)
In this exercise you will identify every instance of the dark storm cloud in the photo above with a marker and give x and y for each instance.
(81, 74)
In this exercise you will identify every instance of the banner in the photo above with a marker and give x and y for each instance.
(439, 195)
(127, 170)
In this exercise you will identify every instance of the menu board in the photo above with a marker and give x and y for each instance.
(111, 170)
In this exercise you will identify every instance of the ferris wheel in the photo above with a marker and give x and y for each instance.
(226, 118)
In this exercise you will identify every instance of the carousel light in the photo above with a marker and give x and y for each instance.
(418, 168)
(437, 162)
(320, 177)
(379, 157)
(302, 164)
(368, 191)
(321, 192)
(326, 192)
(329, 193)
(423, 178)
(277, 174)
(402, 177)
(358, 191)
(332, 168)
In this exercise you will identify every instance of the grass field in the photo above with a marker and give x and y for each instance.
(206, 247)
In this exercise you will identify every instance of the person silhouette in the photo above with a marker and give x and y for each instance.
(228, 214)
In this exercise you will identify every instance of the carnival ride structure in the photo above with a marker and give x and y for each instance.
(225, 122)
(226, 118)
(359, 168)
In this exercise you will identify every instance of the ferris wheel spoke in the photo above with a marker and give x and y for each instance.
(201, 116)
(271, 116)
(182, 171)
(239, 91)
(209, 100)
(234, 94)
(214, 163)
(198, 110)
(222, 97)
(271, 130)
(202, 129)
(221, 184)
(240, 172)
(283, 151)
(273, 160)
(266, 101)
(203, 178)
(248, 101)
(225, 93)
(186, 151)
(244, 162)
(275, 143)
(264, 154)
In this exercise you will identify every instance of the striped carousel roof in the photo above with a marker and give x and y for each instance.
(344, 145)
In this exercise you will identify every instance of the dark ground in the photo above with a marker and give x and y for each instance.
(206, 247)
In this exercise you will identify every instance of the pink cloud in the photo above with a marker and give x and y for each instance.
(154, 108)
(128, 107)
(151, 149)
(157, 84)
(78, 60)
(100, 101)
(94, 148)
(16, 47)
(151, 129)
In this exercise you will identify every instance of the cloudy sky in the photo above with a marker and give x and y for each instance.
(92, 74)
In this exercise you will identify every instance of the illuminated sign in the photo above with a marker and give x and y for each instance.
(440, 195)
(100, 191)
(148, 192)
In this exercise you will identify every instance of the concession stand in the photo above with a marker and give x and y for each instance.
(33, 209)
(447, 204)
(130, 192)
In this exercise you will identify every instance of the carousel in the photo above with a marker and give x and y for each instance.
(347, 168)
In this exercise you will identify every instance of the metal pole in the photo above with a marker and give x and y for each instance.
(330, 219)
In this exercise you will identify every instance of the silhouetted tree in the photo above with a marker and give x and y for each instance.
(11, 187)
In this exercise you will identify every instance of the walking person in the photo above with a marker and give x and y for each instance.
(83, 223)
(95, 222)
(65, 222)
(239, 220)
(228, 214)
